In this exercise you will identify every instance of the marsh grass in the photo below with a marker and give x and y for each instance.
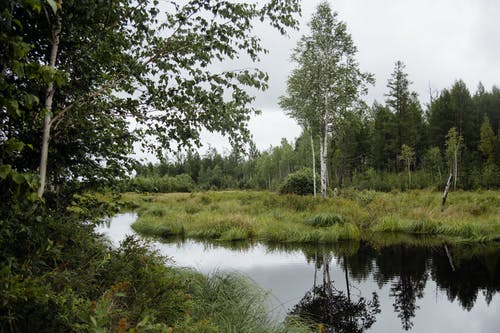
(324, 220)
(269, 217)
(230, 302)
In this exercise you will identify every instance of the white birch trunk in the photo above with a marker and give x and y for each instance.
(409, 174)
(455, 170)
(48, 108)
(313, 163)
(323, 159)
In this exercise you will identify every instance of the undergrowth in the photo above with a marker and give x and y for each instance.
(58, 275)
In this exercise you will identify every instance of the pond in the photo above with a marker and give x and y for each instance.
(358, 286)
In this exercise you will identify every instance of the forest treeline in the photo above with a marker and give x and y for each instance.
(366, 151)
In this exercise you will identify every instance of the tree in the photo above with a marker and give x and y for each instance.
(433, 161)
(105, 63)
(408, 156)
(454, 108)
(298, 105)
(406, 108)
(327, 81)
(384, 142)
(453, 146)
(487, 144)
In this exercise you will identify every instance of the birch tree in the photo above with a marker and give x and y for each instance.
(298, 105)
(327, 82)
(453, 146)
(93, 67)
(408, 156)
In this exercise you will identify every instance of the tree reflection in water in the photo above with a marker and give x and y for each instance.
(332, 309)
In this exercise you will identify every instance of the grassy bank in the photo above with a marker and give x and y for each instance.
(269, 217)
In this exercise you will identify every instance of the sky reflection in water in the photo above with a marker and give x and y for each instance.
(416, 288)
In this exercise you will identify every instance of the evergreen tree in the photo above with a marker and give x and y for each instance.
(384, 144)
(406, 108)
(488, 141)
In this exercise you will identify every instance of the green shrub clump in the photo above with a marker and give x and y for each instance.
(299, 182)
(324, 220)
(165, 184)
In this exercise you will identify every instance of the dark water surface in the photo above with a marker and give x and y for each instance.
(359, 286)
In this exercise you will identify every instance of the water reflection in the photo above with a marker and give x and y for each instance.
(331, 309)
(378, 285)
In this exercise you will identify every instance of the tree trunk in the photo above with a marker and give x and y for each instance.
(450, 258)
(446, 190)
(348, 287)
(48, 108)
(409, 174)
(455, 170)
(323, 152)
(313, 163)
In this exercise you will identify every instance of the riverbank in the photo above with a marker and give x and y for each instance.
(271, 218)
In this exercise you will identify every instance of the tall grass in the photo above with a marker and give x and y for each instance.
(229, 302)
(269, 217)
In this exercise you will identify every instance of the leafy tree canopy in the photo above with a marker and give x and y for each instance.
(119, 62)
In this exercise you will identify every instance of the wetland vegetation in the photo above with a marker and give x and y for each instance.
(271, 217)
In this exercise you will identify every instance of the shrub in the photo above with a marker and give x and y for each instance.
(299, 182)
(165, 184)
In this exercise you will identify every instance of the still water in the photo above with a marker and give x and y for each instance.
(358, 287)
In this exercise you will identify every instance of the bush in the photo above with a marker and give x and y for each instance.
(165, 184)
(299, 182)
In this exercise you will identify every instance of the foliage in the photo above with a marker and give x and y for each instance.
(405, 107)
(487, 145)
(408, 156)
(81, 73)
(179, 183)
(299, 182)
(327, 83)
(62, 276)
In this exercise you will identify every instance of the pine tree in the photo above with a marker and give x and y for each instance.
(406, 108)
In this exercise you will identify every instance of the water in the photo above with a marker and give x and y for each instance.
(386, 289)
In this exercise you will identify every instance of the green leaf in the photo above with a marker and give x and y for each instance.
(13, 145)
(30, 100)
(18, 178)
(4, 170)
(13, 106)
(52, 5)
(34, 4)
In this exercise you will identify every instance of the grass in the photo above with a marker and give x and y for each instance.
(230, 302)
(274, 218)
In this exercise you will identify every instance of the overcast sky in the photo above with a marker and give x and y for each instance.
(440, 41)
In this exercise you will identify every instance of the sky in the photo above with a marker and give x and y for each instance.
(440, 41)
